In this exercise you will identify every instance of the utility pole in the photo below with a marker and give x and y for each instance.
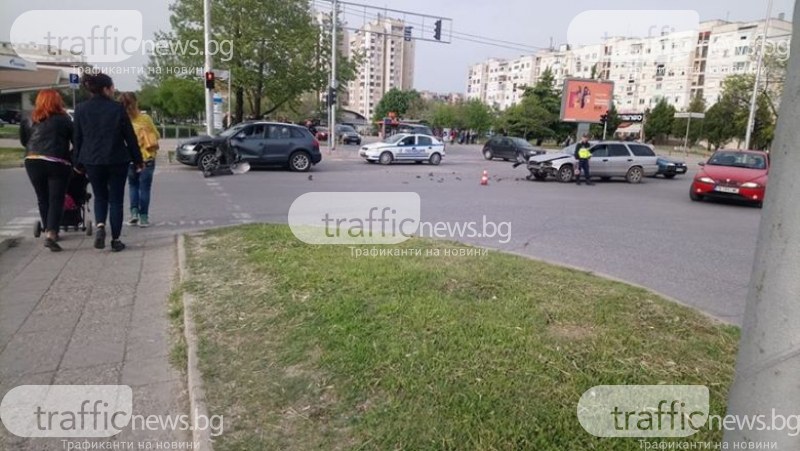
(334, 82)
(759, 63)
(208, 66)
(768, 364)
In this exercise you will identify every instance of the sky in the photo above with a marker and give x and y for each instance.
(444, 67)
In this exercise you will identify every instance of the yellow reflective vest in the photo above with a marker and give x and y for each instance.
(584, 154)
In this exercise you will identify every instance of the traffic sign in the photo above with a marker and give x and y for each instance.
(690, 115)
(74, 81)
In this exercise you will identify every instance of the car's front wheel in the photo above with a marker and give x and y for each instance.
(207, 161)
(487, 154)
(299, 161)
(669, 176)
(435, 159)
(634, 175)
(386, 158)
(566, 173)
(539, 176)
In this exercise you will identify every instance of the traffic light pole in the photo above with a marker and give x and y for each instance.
(333, 84)
(208, 66)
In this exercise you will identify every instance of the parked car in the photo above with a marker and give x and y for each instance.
(11, 116)
(516, 149)
(259, 143)
(404, 147)
(346, 134)
(322, 134)
(670, 167)
(732, 174)
(630, 160)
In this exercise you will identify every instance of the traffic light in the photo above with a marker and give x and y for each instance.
(209, 80)
(604, 118)
(332, 96)
(437, 30)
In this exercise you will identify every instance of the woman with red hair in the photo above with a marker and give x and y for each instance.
(47, 137)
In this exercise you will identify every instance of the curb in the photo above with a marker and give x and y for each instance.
(7, 243)
(197, 396)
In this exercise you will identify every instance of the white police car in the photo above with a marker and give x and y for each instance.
(404, 147)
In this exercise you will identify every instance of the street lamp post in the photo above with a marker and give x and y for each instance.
(754, 98)
(208, 66)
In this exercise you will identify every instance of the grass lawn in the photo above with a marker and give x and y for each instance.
(9, 131)
(11, 157)
(307, 347)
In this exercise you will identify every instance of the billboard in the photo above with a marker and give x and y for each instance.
(586, 100)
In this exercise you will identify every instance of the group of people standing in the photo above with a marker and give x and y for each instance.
(108, 141)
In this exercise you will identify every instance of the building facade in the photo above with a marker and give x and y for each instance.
(387, 62)
(673, 66)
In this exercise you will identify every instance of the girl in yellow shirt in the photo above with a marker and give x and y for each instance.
(141, 182)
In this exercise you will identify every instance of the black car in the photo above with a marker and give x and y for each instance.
(259, 143)
(669, 167)
(507, 148)
(11, 116)
(346, 134)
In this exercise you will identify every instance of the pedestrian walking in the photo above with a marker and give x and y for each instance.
(105, 145)
(140, 183)
(583, 155)
(47, 137)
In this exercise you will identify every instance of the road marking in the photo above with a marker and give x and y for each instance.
(10, 232)
(242, 216)
(27, 220)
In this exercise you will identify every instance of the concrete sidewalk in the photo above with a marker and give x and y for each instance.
(85, 316)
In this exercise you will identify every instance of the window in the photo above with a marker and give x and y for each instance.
(407, 141)
(600, 151)
(296, 133)
(279, 132)
(424, 141)
(618, 150)
(640, 150)
(254, 132)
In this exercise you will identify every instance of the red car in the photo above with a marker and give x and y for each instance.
(733, 174)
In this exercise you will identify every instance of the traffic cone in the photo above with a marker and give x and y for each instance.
(485, 178)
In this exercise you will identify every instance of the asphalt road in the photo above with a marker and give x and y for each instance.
(649, 234)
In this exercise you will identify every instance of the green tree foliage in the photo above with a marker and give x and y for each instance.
(537, 114)
(731, 112)
(274, 49)
(658, 123)
(697, 105)
(478, 116)
(613, 123)
(395, 101)
(173, 98)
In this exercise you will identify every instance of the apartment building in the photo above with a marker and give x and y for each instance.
(674, 66)
(387, 62)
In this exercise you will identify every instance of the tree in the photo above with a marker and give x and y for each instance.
(613, 123)
(395, 101)
(718, 128)
(697, 105)
(273, 48)
(174, 98)
(478, 116)
(658, 122)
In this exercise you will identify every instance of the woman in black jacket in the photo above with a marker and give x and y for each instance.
(47, 136)
(105, 144)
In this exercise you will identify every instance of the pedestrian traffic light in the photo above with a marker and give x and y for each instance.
(209, 80)
(437, 30)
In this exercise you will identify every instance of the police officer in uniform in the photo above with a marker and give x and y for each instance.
(583, 155)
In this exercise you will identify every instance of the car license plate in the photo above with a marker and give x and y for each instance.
(726, 189)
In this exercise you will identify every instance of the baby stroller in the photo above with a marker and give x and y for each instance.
(76, 205)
